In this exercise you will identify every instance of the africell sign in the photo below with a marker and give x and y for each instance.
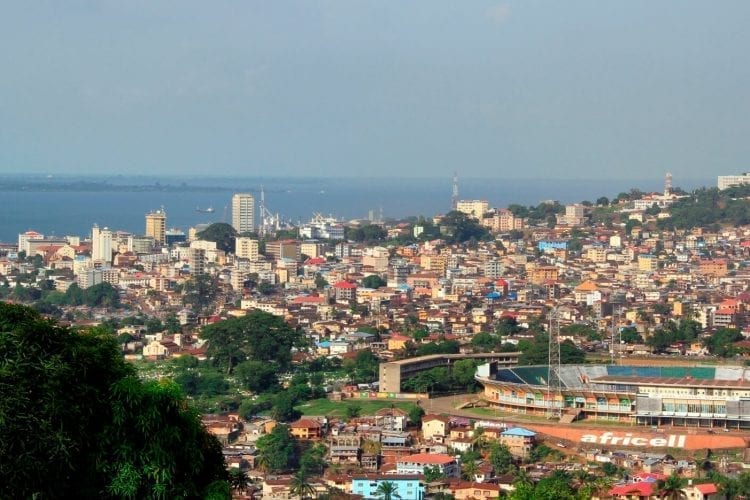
(693, 439)
(628, 439)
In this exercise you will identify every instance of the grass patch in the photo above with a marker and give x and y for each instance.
(338, 408)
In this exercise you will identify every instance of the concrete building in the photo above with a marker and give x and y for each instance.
(156, 226)
(246, 248)
(243, 212)
(101, 244)
(197, 261)
(393, 373)
(416, 464)
(407, 486)
(473, 208)
(727, 181)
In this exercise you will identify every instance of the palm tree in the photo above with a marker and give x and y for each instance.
(301, 487)
(671, 489)
(469, 470)
(387, 490)
(238, 480)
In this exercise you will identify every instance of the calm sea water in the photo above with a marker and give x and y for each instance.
(73, 213)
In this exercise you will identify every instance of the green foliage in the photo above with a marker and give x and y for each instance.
(373, 281)
(276, 450)
(463, 373)
(222, 233)
(283, 407)
(433, 474)
(369, 233)
(364, 368)
(555, 487)
(445, 347)
(536, 352)
(108, 435)
(721, 342)
(672, 332)
(257, 376)
(200, 293)
(461, 228)
(257, 336)
(630, 335)
(415, 414)
(387, 490)
(501, 458)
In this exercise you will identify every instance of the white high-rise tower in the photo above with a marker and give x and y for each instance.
(101, 244)
(243, 212)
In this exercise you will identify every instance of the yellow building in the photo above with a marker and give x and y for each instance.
(156, 225)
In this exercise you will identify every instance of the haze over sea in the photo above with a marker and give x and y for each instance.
(51, 210)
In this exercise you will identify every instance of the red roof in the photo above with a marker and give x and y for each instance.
(345, 284)
(314, 261)
(305, 423)
(707, 488)
(428, 458)
(642, 489)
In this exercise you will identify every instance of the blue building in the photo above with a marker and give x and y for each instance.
(407, 487)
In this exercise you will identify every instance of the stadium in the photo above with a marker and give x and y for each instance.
(697, 396)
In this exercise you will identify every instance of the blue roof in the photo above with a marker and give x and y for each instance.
(519, 431)
(493, 295)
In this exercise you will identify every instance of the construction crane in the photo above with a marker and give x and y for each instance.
(268, 221)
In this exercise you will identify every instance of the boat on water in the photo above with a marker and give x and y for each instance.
(207, 210)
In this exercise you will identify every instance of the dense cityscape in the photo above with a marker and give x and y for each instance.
(590, 350)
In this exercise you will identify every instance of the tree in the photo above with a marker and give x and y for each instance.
(433, 473)
(257, 376)
(238, 480)
(108, 435)
(276, 450)
(301, 487)
(283, 407)
(313, 460)
(387, 490)
(671, 488)
(463, 373)
(257, 336)
(200, 292)
(462, 228)
(501, 458)
(222, 234)
(602, 201)
(353, 411)
(373, 281)
(415, 414)
(469, 470)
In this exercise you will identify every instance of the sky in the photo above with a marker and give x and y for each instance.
(357, 88)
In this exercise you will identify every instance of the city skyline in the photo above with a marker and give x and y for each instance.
(491, 89)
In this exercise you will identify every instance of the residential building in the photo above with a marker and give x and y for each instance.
(416, 464)
(473, 208)
(727, 181)
(243, 212)
(246, 248)
(519, 441)
(407, 486)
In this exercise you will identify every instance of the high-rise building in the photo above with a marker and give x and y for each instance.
(101, 244)
(243, 212)
(246, 248)
(156, 225)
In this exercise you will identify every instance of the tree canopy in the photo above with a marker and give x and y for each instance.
(257, 336)
(78, 423)
(222, 233)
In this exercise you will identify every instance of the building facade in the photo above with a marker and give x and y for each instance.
(156, 226)
(243, 212)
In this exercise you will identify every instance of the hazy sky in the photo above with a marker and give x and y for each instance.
(621, 89)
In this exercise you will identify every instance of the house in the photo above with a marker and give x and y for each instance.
(407, 486)
(519, 441)
(306, 429)
(706, 491)
(416, 464)
(435, 427)
(466, 490)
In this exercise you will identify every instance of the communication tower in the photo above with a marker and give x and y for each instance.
(454, 196)
(668, 184)
(554, 384)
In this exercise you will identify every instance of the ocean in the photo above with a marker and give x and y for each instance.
(50, 211)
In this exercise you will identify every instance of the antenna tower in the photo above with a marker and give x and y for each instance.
(454, 196)
(668, 184)
(554, 385)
